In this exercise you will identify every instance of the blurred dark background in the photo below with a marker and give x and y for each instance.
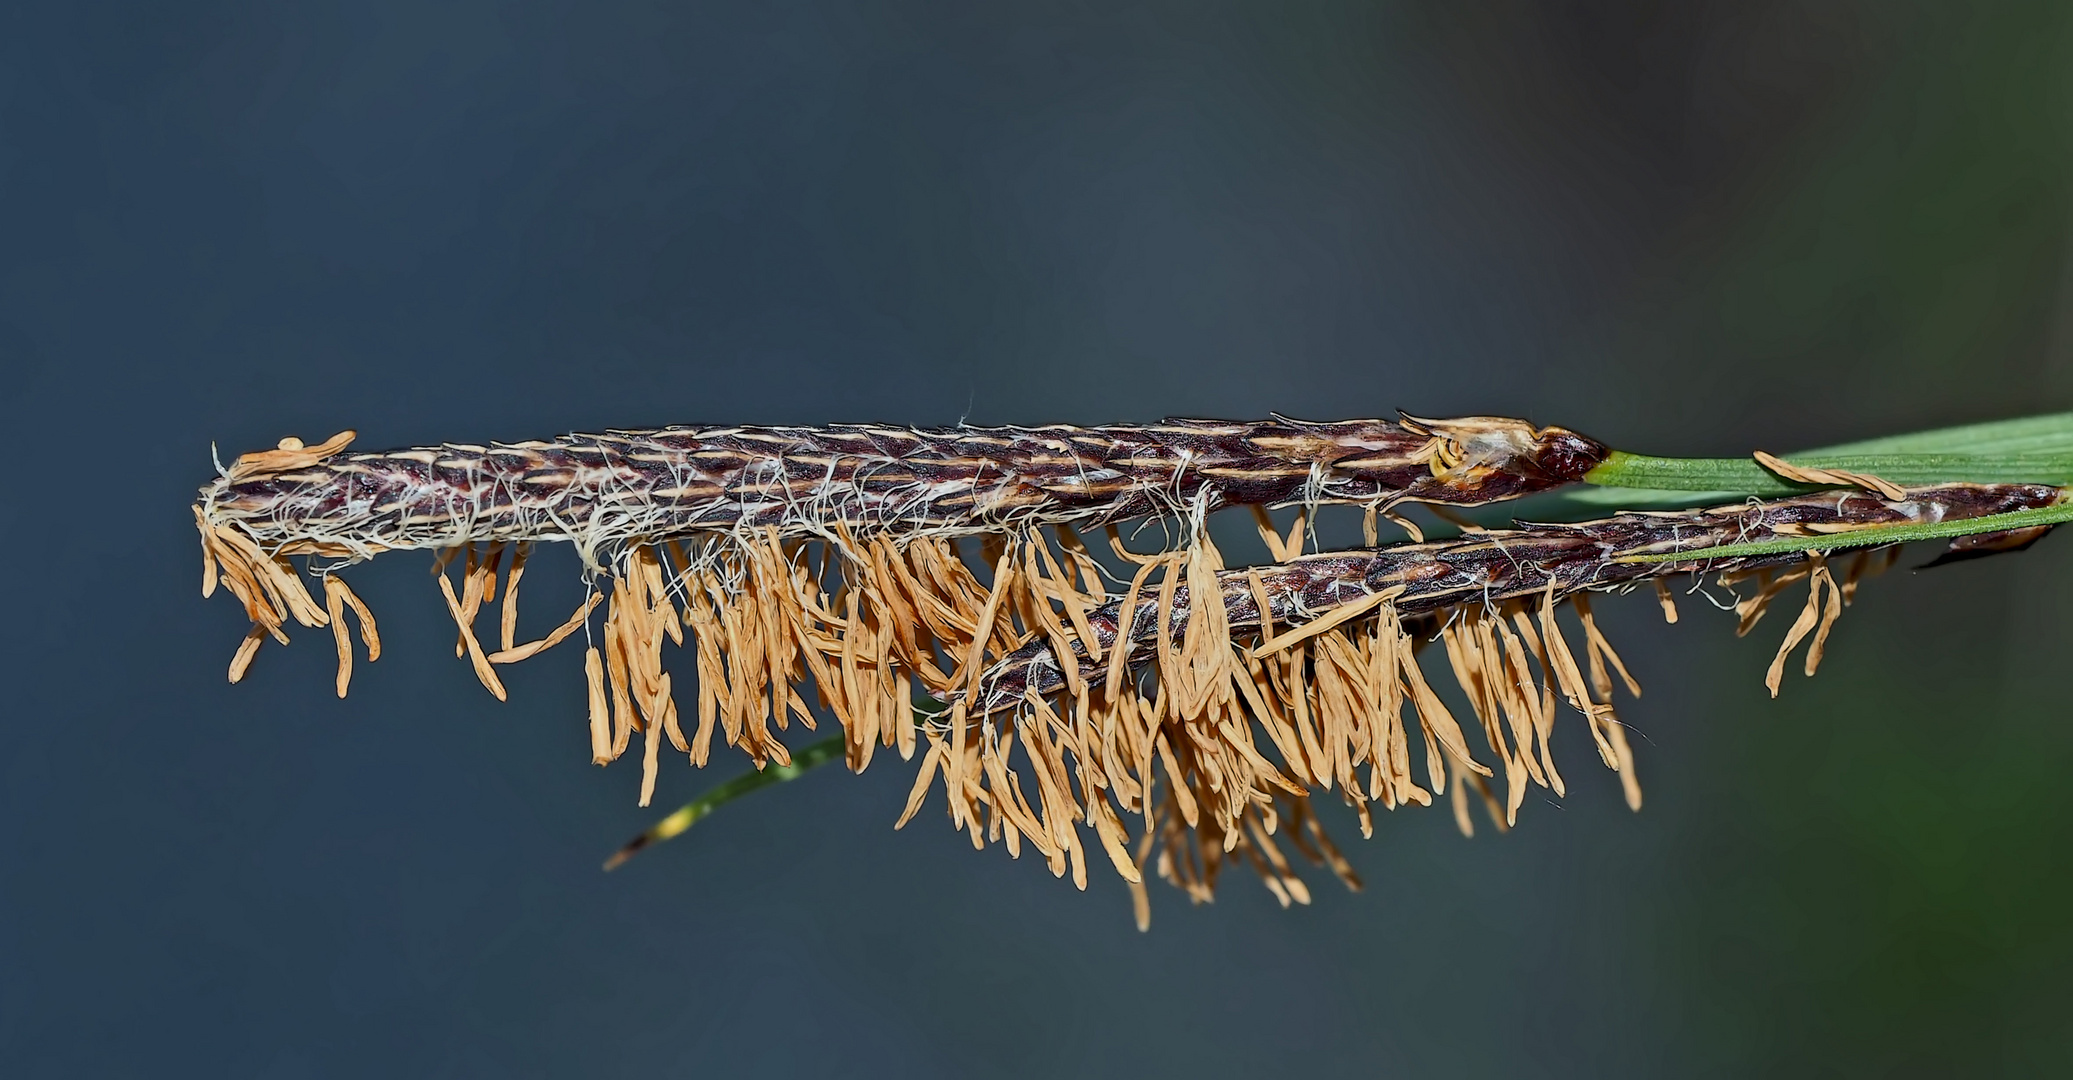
(1686, 228)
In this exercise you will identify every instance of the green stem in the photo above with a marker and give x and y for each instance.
(1873, 535)
(812, 754)
(2033, 449)
(1743, 476)
(690, 813)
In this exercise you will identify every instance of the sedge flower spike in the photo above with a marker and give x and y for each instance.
(710, 527)
(864, 568)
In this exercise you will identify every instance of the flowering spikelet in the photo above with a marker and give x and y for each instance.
(711, 528)
(1319, 655)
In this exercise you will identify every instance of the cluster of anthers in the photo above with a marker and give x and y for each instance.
(931, 589)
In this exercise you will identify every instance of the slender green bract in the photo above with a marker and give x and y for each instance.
(1870, 536)
(2034, 449)
(1743, 476)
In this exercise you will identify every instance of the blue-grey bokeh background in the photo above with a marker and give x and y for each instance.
(1686, 228)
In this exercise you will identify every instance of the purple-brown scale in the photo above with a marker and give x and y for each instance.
(675, 481)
